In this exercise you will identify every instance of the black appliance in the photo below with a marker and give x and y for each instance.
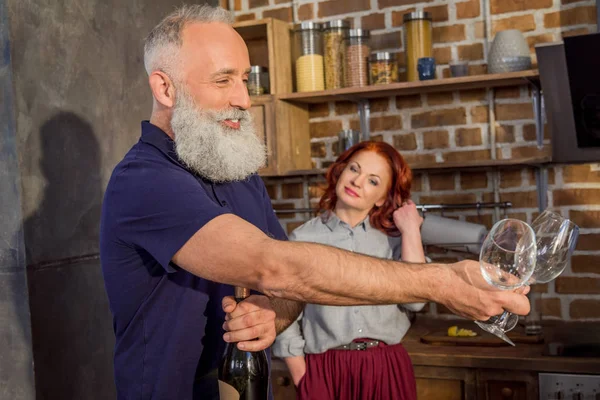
(570, 80)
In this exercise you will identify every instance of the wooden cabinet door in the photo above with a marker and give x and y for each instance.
(262, 111)
(507, 385)
(443, 383)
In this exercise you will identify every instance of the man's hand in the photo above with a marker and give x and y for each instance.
(466, 293)
(250, 322)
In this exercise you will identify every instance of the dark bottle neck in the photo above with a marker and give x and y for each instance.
(241, 293)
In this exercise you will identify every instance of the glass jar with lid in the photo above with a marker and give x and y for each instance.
(308, 57)
(418, 41)
(334, 36)
(357, 58)
(383, 68)
(258, 80)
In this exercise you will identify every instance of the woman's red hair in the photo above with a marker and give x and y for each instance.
(399, 191)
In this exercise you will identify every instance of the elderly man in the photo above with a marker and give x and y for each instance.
(185, 217)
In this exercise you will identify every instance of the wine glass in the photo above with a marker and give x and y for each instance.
(556, 238)
(507, 260)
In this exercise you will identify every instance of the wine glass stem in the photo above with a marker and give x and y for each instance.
(502, 319)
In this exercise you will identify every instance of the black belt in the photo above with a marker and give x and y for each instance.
(358, 345)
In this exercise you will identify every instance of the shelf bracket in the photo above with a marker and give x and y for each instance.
(539, 114)
(541, 181)
(364, 115)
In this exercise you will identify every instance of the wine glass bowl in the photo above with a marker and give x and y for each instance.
(556, 238)
(507, 260)
(507, 256)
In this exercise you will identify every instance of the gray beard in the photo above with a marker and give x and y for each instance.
(209, 148)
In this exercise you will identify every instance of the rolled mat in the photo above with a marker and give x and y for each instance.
(452, 234)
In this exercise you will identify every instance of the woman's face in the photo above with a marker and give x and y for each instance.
(364, 182)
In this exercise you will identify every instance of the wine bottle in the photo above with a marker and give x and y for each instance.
(243, 375)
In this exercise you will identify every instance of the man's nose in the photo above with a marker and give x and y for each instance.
(239, 97)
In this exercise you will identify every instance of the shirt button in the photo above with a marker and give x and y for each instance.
(223, 203)
(360, 331)
(351, 233)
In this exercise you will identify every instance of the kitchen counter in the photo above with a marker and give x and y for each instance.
(476, 372)
(524, 357)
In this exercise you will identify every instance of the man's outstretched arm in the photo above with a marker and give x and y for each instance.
(235, 252)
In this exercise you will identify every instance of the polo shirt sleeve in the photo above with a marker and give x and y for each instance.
(160, 210)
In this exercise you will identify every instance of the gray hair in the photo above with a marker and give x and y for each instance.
(161, 47)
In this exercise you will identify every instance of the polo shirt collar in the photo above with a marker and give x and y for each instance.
(158, 138)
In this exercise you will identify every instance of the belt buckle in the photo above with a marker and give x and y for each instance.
(360, 345)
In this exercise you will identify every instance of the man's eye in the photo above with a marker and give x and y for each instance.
(223, 81)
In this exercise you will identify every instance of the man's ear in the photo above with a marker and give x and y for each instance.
(162, 88)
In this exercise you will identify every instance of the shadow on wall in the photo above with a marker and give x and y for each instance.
(66, 224)
(70, 319)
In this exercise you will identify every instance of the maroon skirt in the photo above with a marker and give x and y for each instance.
(378, 373)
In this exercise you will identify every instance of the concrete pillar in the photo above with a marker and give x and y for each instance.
(16, 355)
(73, 91)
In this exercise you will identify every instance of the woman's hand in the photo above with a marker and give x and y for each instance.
(407, 218)
(297, 367)
(250, 322)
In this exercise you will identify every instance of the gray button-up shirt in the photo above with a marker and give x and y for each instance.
(320, 328)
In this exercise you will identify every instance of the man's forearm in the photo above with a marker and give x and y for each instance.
(322, 274)
(286, 311)
(237, 253)
(230, 250)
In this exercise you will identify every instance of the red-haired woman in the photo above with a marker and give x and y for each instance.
(355, 352)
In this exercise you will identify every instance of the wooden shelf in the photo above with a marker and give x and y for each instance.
(408, 88)
(431, 167)
(482, 164)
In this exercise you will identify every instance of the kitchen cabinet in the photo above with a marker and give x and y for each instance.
(264, 122)
(277, 125)
(283, 126)
(445, 383)
(507, 385)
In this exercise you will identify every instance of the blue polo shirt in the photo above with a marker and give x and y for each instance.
(167, 322)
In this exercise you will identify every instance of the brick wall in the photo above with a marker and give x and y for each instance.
(450, 127)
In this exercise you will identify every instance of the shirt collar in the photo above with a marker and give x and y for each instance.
(332, 221)
(158, 138)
